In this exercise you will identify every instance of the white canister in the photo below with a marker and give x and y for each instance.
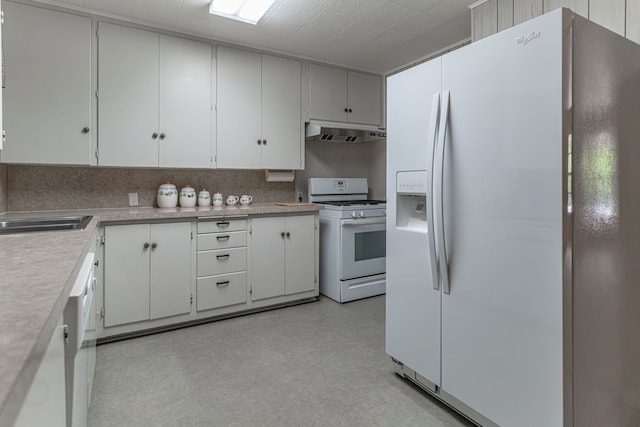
(232, 200)
(167, 196)
(188, 197)
(245, 200)
(204, 198)
(217, 199)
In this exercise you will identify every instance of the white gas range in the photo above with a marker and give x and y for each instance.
(352, 238)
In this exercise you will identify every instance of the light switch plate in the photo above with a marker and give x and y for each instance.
(133, 199)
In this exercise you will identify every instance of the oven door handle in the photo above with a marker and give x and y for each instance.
(364, 221)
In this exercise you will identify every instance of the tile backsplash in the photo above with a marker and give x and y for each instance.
(28, 188)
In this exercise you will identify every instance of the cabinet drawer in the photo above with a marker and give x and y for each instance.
(221, 261)
(222, 225)
(221, 290)
(232, 239)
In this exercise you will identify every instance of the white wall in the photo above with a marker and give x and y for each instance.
(344, 160)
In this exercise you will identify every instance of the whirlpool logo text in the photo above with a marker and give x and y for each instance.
(525, 40)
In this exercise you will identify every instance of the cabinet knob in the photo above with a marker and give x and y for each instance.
(154, 135)
(162, 136)
(282, 234)
(264, 142)
(146, 246)
(154, 245)
(259, 142)
(350, 110)
(85, 130)
(346, 110)
(288, 234)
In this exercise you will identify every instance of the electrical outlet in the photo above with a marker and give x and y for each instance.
(133, 199)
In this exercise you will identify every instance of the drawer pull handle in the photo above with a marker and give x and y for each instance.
(222, 224)
(225, 256)
(222, 238)
(222, 284)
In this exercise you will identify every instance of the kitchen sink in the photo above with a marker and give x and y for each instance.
(55, 223)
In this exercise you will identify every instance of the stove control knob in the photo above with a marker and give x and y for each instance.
(361, 214)
(354, 214)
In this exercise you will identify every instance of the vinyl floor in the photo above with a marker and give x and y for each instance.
(315, 364)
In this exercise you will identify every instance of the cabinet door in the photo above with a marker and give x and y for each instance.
(281, 116)
(170, 278)
(267, 257)
(126, 274)
(185, 103)
(300, 254)
(48, 86)
(45, 402)
(327, 93)
(238, 109)
(363, 98)
(128, 96)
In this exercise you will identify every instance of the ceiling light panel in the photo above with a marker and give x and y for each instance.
(249, 11)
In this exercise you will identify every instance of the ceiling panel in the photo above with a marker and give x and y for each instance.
(372, 35)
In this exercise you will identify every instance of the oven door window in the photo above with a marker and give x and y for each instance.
(370, 245)
(363, 249)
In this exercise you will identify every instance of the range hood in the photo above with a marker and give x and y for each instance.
(343, 132)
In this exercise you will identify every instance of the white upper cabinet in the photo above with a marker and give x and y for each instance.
(344, 96)
(185, 103)
(154, 103)
(2, 55)
(239, 89)
(259, 121)
(47, 95)
(281, 114)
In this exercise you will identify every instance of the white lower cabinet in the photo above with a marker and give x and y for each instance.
(221, 264)
(221, 290)
(283, 256)
(156, 276)
(45, 403)
(147, 272)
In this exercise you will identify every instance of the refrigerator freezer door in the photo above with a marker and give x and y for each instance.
(502, 322)
(606, 211)
(413, 305)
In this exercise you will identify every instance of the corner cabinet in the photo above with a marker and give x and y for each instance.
(147, 272)
(154, 99)
(344, 96)
(284, 256)
(47, 86)
(259, 120)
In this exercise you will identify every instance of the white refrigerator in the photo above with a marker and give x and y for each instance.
(513, 227)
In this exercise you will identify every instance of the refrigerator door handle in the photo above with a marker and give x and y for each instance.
(435, 107)
(442, 247)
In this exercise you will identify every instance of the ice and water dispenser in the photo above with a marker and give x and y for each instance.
(411, 200)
